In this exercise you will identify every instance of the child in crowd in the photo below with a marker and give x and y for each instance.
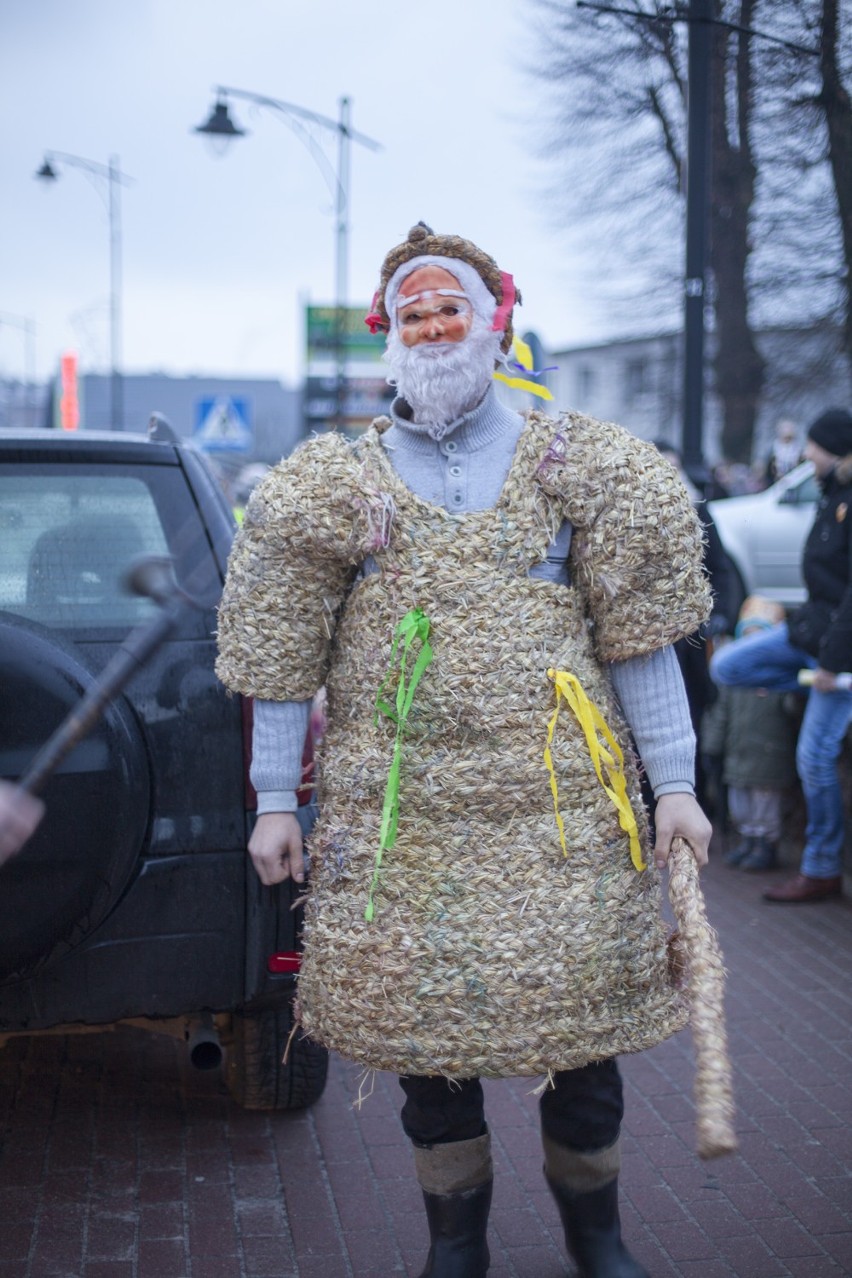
(753, 730)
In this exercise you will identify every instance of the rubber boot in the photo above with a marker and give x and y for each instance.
(456, 1180)
(593, 1232)
(457, 1227)
(585, 1186)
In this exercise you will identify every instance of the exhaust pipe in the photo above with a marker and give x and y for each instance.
(202, 1040)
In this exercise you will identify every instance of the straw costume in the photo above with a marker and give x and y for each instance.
(474, 911)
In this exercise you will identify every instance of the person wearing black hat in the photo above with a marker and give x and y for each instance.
(816, 637)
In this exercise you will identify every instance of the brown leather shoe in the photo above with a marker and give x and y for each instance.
(804, 888)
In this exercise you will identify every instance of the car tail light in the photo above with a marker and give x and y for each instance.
(284, 961)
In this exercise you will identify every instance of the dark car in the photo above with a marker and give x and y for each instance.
(134, 900)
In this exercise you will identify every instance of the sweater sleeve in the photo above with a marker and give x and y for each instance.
(278, 739)
(638, 545)
(653, 698)
(307, 526)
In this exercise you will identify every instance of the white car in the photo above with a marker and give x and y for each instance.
(764, 534)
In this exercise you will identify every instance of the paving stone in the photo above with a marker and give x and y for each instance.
(119, 1161)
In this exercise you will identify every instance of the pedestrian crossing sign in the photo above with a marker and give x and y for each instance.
(223, 424)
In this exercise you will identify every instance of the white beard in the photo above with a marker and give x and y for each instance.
(441, 383)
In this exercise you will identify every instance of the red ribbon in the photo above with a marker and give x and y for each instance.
(374, 321)
(502, 313)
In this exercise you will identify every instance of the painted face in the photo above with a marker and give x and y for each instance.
(822, 459)
(432, 307)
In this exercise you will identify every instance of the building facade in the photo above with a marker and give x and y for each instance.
(638, 382)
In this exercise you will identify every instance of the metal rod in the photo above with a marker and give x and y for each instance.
(111, 173)
(27, 326)
(137, 647)
(152, 577)
(341, 266)
(115, 295)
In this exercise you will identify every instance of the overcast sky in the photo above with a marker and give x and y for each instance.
(221, 254)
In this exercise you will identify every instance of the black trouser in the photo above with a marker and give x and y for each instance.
(582, 1111)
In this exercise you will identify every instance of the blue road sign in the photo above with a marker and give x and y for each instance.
(223, 425)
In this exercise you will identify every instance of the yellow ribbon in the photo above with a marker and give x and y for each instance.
(523, 356)
(522, 383)
(593, 723)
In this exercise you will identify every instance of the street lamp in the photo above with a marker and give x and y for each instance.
(112, 175)
(221, 130)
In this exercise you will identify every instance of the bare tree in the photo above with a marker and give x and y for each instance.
(780, 116)
(738, 365)
(611, 116)
(834, 103)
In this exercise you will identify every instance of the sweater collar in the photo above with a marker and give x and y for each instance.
(473, 430)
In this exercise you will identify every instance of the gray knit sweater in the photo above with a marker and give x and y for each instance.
(466, 471)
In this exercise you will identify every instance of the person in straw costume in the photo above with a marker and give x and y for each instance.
(476, 590)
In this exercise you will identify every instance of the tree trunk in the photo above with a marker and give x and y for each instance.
(738, 365)
(838, 116)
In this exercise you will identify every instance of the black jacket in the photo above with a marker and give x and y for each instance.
(823, 625)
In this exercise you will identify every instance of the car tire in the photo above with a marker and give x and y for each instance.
(68, 876)
(256, 1076)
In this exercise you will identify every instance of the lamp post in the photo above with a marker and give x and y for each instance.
(112, 175)
(27, 326)
(221, 129)
(698, 106)
(701, 18)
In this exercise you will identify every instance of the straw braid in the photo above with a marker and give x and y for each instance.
(705, 979)
(307, 526)
(637, 548)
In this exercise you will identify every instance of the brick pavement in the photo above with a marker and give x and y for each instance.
(119, 1161)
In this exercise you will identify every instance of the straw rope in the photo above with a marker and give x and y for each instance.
(705, 976)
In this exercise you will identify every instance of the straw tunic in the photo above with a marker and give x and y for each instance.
(490, 951)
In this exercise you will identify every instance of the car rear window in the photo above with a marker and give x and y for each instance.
(807, 491)
(68, 535)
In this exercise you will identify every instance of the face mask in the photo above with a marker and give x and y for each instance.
(435, 315)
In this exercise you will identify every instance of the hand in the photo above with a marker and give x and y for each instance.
(20, 813)
(275, 848)
(824, 680)
(679, 816)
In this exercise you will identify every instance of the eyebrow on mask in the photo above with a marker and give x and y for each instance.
(431, 292)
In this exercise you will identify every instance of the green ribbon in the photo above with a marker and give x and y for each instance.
(414, 625)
